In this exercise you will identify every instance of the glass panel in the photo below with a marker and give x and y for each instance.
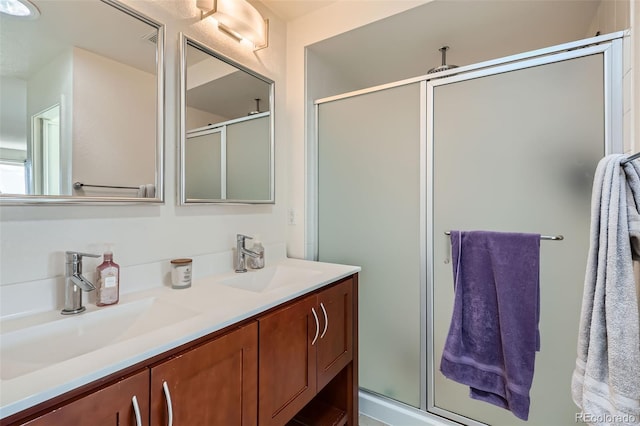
(517, 152)
(203, 154)
(368, 215)
(248, 159)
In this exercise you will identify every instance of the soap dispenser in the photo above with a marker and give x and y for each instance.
(257, 262)
(108, 281)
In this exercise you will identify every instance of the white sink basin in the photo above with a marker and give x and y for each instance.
(270, 278)
(32, 348)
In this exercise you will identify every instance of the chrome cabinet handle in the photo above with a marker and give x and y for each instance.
(167, 396)
(136, 410)
(326, 320)
(313, 311)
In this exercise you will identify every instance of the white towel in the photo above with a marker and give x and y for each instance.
(150, 190)
(606, 380)
(142, 191)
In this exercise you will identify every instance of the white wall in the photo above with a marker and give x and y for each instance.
(121, 150)
(13, 113)
(206, 71)
(52, 85)
(33, 238)
(611, 16)
(198, 118)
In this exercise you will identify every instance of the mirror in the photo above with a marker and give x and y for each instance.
(81, 113)
(227, 143)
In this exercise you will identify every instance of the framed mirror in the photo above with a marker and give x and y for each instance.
(81, 113)
(227, 136)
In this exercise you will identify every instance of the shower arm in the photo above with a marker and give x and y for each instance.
(443, 51)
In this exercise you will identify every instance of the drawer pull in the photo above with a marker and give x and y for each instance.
(136, 410)
(313, 311)
(326, 320)
(167, 396)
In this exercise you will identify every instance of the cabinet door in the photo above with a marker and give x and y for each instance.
(287, 361)
(335, 345)
(110, 406)
(213, 384)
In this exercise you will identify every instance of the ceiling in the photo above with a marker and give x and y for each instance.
(235, 96)
(28, 45)
(222, 89)
(288, 10)
(406, 45)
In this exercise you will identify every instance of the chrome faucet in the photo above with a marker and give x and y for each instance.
(242, 252)
(75, 283)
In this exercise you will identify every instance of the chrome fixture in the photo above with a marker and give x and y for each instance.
(242, 252)
(444, 66)
(238, 19)
(257, 110)
(80, 185)
(542, 237)
(630, 158)
(75, 283)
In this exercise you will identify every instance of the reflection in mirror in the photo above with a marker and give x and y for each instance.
(81, 104)
(227, 137)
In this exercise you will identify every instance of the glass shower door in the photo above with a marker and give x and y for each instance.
(516, 151)
(369, 215)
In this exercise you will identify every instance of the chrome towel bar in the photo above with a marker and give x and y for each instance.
(542, 237)
(78, 185)
(630, 158)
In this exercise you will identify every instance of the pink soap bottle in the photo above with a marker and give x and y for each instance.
(108, 286)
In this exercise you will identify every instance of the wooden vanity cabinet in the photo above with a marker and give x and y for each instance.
(109, 406)
(294, 365)
(335, 343)
(287, 360)
(212, 384)
(303, 347)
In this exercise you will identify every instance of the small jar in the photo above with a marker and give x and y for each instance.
(181, 273)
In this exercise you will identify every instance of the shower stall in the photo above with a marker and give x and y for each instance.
(504, 145)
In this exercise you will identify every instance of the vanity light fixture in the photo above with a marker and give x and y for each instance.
(238, 19)
(19, 8)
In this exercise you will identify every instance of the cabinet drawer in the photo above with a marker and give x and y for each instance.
(110, 406)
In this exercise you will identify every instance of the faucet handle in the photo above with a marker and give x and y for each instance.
(76, 256)
(241, 237)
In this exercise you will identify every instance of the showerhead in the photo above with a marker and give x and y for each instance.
(444, 65)
(257, 110)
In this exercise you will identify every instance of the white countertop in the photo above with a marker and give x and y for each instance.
(205, 307)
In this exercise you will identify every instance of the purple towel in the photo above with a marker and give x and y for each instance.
(494, 334)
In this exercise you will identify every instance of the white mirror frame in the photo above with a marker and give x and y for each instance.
(182, 193)
(10, 199)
